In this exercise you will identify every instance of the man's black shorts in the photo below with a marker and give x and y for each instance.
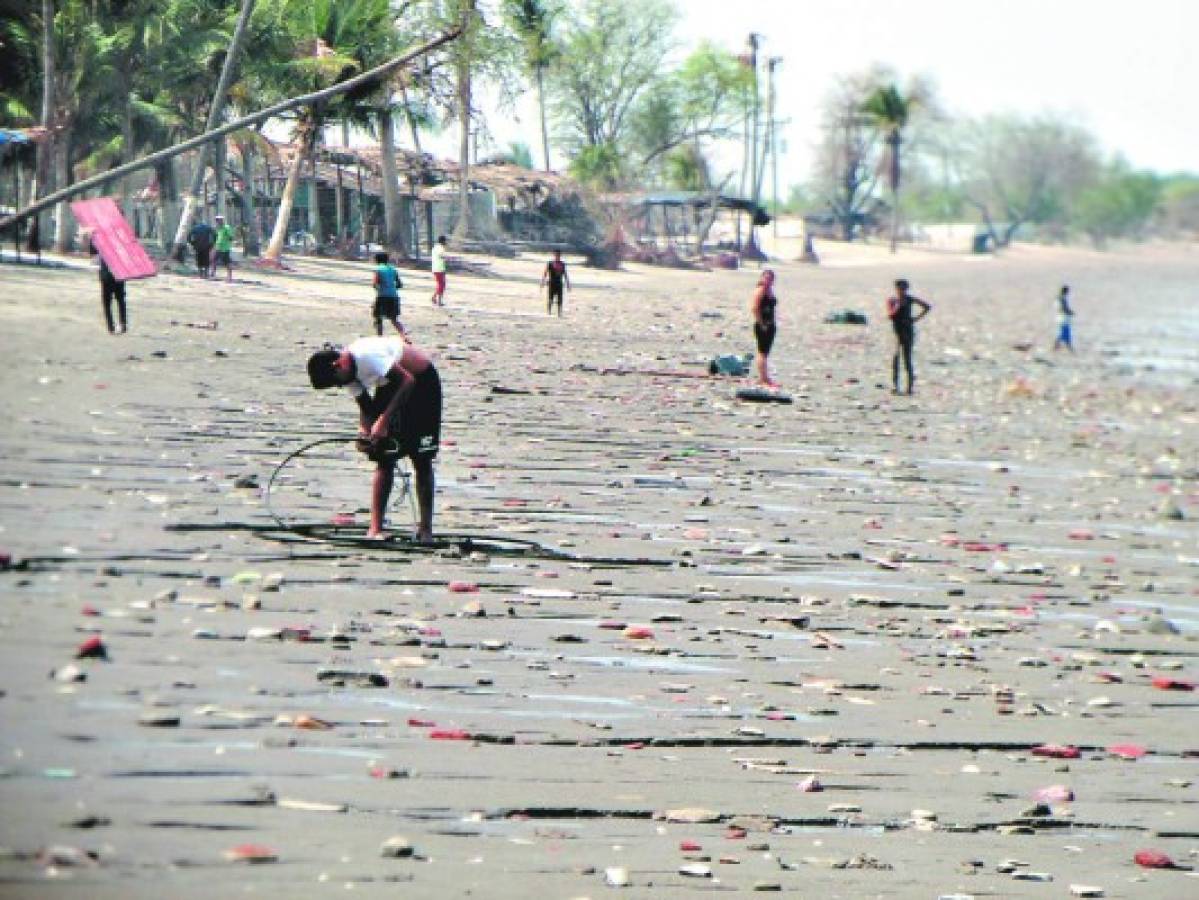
(203, 258)
(224, 258)
(555, 293)
(386, 308)
(416, 425)
(764, 337)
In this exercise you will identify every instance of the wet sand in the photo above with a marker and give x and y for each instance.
(680, 602)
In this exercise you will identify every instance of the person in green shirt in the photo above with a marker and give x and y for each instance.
(224, 248)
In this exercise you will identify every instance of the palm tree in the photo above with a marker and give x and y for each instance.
(533, 20)
(332, 39)
(215, 113)
(888, 110)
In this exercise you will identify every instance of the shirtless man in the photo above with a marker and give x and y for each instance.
(402, 417)
(555, 275)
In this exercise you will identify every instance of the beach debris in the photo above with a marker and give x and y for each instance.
(69, 674)
(1055, 793)
(730, 364)
(1153, 859)
(397, 847)
(1086, 890)
(254, 854)
(64, 856)
(617, 876)
(689, 815)
(1056, 751)
(846, 317)
(92, 648)
(762, 395)
(696, 870)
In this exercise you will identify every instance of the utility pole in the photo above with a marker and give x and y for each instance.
(771, 64)
(754, 41)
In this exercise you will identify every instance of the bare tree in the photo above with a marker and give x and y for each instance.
(1025, 170)
(847, 161)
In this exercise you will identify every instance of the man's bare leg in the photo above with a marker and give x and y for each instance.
(422, 469)
(380, 494)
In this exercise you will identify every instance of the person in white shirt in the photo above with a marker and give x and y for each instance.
(398, 392)
(439, 269)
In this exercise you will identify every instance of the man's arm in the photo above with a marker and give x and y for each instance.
(924, 308)
(365, 419)
(566, 278)
(755, 306)
(545, 275)
(379, 429)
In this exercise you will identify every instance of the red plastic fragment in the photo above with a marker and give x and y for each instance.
(251, 853)
(1057, 751)
(1127, 751)
(463, 587)
(449, 734)
(421, 723)
(690, 846)
(1153, 859)
(92, 648)
(1172, 684)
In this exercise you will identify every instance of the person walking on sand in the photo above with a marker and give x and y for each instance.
(555, 274)
(899, 311)
(402, 417)
(201, 237)
(439, 269)
(387, 295)
(111, 289)
(765, 327)
(223, 243)
(1065, 318)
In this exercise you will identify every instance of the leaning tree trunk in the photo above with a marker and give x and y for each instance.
(164, 174)
(274, 250)
(394, 220)
(462, 227)
(218, 171)
(45, 147)
(314, 203)
(63, 232)
(893, 175)
(214, 116)
(411, 117)
(127, 183)
(249, 214)
(545, 135)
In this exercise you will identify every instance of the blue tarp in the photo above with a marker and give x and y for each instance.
(12, 137)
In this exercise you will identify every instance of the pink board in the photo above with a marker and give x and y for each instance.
(115, 241)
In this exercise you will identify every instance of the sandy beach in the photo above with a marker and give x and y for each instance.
(670, 643)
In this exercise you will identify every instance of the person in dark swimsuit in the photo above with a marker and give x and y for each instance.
(555, 274)
(899, 311)
(111, 289)
(765, 327)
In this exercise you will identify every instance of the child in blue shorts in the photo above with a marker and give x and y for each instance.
(1065, 315)
(387, 295)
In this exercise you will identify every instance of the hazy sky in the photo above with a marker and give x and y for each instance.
(1129, 71)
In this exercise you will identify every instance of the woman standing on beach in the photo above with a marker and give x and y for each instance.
(762, 306)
